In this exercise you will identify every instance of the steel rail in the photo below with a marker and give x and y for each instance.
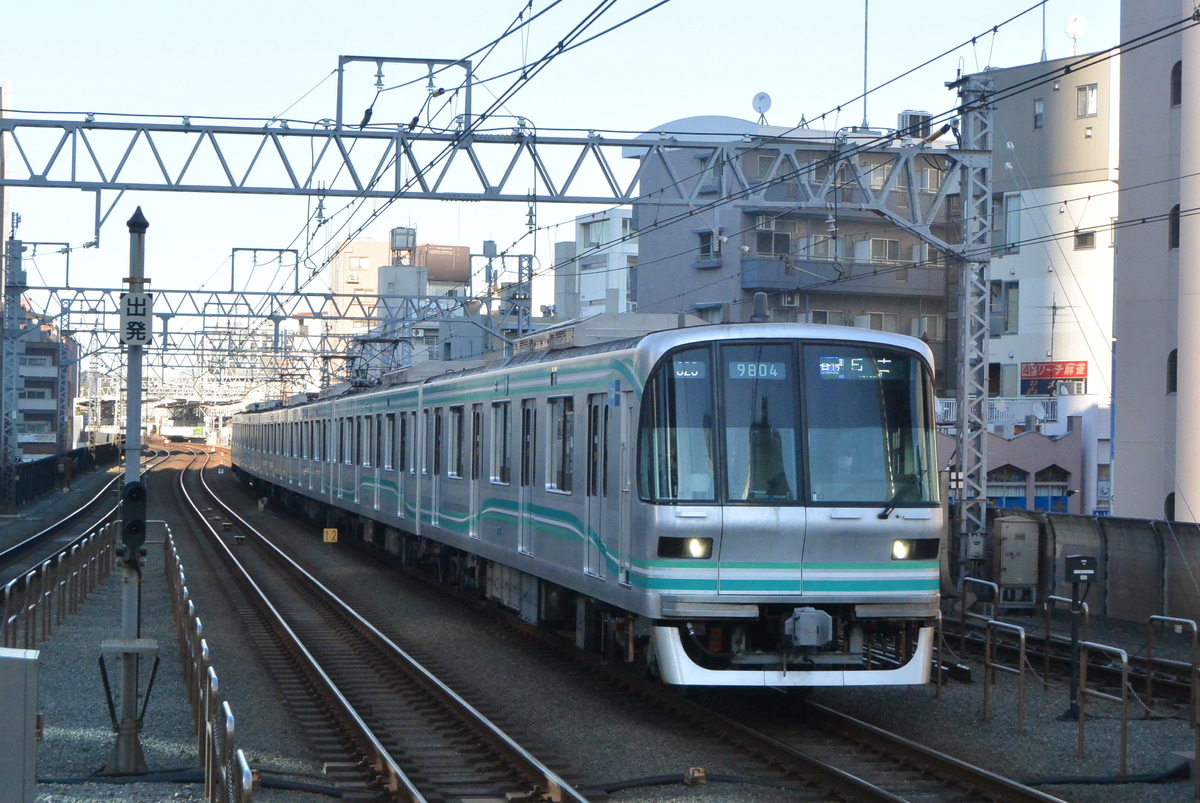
(530, 766)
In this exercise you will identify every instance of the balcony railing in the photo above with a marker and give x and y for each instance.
(1004, 410)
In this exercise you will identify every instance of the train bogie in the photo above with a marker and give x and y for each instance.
(734, 505)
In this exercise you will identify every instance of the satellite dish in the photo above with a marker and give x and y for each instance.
(762, 102)
(1076, 26)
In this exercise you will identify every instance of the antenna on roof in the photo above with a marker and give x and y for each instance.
(866, 20)
(1075, 28)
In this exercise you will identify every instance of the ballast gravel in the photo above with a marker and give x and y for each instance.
(620, 742)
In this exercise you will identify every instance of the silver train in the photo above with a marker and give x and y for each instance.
(742, 505)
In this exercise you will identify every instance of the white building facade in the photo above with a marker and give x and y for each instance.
(1156, 436)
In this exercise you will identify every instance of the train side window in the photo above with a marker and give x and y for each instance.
(562, 445)
(528, 442)
(402, 457)
(437, 442)
(476, 440)
(366, 440)
(427, 463)
(414, 441)
(675, 440)
(597, 445)
(501, 460)
(455, 436)
(389, 441)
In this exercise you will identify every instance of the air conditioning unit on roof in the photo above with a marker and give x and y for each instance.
(914, 123)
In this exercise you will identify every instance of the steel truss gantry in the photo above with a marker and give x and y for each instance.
(473, 164)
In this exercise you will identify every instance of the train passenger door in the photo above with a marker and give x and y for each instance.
(528, 472)
(475, 469)
(597, 482)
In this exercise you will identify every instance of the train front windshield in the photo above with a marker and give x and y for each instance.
(779, 423)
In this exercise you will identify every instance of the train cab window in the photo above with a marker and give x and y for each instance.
(501, 460)
(675, 444)
(562, 445)
(758, 386)
(869, 436)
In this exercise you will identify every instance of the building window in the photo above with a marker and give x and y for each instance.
(1173, 371)
(1169, 507)
(1005, 308)
(1039, 112)
(593, 234)
(1012, 223)
(1006, 487)
(1050, 490)
(1085, 240)
(593, 264)
(710, 246)
(1086, 100)
(883, 250)
(822, 247)
(1173, 227)
(883, 321)
(710, 176)
(927, 327)
(773, 236)
(1176, 84)
(834, 317)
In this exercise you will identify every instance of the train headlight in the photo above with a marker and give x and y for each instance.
(915, 549)
(698, 548)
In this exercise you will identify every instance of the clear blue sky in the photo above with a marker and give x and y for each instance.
(258, 59)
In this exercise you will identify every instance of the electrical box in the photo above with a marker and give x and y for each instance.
(18, 724)
(1016, 554)
(1081, 568)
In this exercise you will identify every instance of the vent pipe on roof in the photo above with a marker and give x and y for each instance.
(760, 309)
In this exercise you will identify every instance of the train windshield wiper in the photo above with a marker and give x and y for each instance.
(909, 483)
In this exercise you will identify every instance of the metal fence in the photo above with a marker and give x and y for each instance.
(227, 774)
(36, 478)
(39, 600)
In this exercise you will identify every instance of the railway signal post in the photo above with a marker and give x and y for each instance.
(136, 326)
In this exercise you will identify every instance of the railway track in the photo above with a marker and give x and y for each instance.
(405, 730)
(813, 751)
